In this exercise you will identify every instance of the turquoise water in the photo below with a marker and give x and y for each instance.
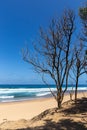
(9, 93)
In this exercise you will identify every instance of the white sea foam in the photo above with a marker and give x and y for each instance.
(13, 93)
(43, 94)
(6, 97)
(30, 90)
(79, 88)
(82, 88)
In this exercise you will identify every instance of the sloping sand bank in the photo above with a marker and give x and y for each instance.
(71, 116)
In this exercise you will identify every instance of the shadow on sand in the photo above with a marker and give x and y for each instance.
(67, 124)
(78, 108)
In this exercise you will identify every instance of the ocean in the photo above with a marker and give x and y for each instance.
(10, 93)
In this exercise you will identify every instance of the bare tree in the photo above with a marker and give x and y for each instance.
(52, 54)
(79, 66)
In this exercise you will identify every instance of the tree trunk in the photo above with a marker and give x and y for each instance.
(59, 100)
(59, 104)
(76, 89)
(71, 96)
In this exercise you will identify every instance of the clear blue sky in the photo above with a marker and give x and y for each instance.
(19, 23)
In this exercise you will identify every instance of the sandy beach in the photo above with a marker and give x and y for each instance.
(14, 111)
(25, 109)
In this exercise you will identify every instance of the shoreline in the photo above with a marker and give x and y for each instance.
(37, 98)
(13, 111)
(18, 93)
(27, 100)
